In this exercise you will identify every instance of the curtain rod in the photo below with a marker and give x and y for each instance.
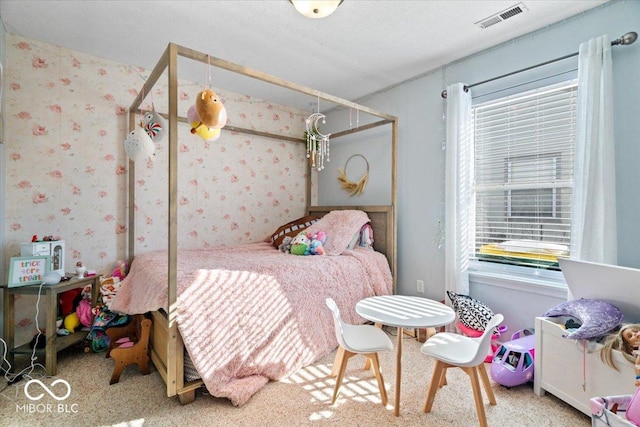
(627, 39)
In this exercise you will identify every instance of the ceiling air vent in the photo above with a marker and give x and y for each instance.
(501, 16)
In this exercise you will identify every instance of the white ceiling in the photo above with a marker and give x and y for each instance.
(364, 47)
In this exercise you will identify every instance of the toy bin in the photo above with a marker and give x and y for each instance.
(602, 414)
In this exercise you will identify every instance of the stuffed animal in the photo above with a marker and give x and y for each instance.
(300, 244)
(71, 322)
(68, 300)
(83, 311)
(285, 246)
(138, 145)
(154, 125)
(211, 111)
(316, 243)
(204, 132)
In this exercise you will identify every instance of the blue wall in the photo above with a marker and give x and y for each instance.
(419, 107)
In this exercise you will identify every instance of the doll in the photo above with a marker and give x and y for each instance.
(627, 341)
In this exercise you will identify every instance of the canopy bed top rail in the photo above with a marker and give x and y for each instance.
(163, 63)
(230, 128)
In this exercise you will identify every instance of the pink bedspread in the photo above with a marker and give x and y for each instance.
(249, 314)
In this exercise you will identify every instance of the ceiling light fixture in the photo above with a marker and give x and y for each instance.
(316, 8)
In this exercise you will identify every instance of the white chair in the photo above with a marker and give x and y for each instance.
(455, 350)
(357, 339)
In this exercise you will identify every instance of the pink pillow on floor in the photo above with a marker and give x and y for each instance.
(340, 226)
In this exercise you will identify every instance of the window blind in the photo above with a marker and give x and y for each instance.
(523, 162)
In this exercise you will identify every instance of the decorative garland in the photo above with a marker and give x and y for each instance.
(351, 187)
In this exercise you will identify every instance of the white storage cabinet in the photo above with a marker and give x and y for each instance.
(54, 249)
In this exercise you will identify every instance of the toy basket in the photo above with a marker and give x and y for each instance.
(602, 414)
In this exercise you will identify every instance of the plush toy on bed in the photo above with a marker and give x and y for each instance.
(285, 246)
(316, 243)
(307, 244)
(300, 244)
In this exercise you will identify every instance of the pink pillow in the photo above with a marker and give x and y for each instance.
(340, 226)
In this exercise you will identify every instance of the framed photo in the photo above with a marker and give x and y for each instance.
(28, 270)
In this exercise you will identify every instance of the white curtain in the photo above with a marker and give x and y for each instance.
(458, 189)
(593, 230)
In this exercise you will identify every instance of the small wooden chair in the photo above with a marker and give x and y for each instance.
(129, 344)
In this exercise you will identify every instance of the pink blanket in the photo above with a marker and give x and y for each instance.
(249, 314)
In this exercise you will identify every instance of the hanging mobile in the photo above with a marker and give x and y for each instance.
(318, 145)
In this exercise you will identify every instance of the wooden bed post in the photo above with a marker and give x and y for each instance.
(394, 202)
(172, 365)
(131, 245)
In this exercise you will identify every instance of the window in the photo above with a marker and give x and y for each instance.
(523, 163)
(537, 202)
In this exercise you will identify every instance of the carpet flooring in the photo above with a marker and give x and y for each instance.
(302, 399)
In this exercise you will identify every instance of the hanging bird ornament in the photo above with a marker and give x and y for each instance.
(155, 126)
(138, 145)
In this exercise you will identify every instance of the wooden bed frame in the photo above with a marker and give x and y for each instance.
(167, 348)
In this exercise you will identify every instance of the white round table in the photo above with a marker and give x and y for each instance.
(402, 312)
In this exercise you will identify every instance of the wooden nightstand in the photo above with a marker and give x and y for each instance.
(48, 298)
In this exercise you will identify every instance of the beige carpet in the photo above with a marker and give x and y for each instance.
(303, 399)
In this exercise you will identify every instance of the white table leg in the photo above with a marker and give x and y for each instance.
(396, 410)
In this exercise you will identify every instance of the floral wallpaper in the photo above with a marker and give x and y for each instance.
(66, 171)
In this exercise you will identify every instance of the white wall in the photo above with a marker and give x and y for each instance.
(419, 107)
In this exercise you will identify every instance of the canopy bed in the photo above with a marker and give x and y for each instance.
(167, 340)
